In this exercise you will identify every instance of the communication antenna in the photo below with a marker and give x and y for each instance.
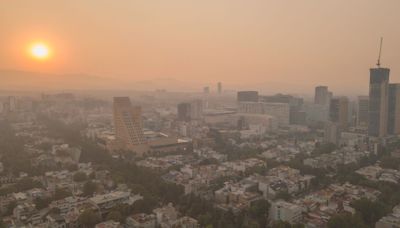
(380, 51)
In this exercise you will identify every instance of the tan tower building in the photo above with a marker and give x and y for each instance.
(339, 111)
(128, 126)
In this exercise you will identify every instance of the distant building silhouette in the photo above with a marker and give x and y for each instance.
(339, 111)
(394, 109)
(247, 96)
(322, 95)
(206, 90)
(362, 111)
(219, 87)
(184, 111)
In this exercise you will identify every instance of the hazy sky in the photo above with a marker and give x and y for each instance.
(271, 45)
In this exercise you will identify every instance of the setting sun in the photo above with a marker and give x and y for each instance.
(40, 51)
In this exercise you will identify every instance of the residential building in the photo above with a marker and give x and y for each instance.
(284, 211)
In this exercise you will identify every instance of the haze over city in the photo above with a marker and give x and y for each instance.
(199, 114)
(272, 46)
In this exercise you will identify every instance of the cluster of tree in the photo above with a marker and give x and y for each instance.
(209, 216)
(367, 214)
(22, 185)
(14, 157)
(324, 148)
(346, 220)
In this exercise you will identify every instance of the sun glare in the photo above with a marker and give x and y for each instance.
(40, 51)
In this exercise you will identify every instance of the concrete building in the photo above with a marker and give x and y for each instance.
(394, 109)
(184, 111)
(283, 211)
(219, 87)
(362, 111)
(339, 111)
(281, 111)
(297, 115)
(141, 221)
(332, 133)
(378, 101)
(196, 108)
(322, 95)
(128, 125)
(316, 112)
(247, 96)
(107, 201)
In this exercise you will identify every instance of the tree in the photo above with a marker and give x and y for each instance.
(115, 216)
(89, 218)
(41, 203)
(389, 162)
(346, 220)
(61, 193)
(89, 188)
(2, 225)
(284, 195)
(259, 211)
(80, 176)
(370, 211)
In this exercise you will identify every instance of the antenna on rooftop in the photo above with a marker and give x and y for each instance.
(380, 52)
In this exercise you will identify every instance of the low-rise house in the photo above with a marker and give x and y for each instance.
(107, 201)
(141, 221)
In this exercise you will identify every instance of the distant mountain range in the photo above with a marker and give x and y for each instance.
(25, 80)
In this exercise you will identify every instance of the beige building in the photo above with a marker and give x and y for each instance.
(339, 111)
(128, 126)
(281, 111)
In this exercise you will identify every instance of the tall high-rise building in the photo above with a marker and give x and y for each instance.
(219, 87)
(332, 133)
(128, 124)
(362, 111)
(184, 111)
(192, 110)
(322, 96)
(394, 109)
(378, 101)
(339, 111)
(196, 107)
(247, 96)
(206, 90)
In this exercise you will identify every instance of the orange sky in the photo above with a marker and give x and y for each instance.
(270, 45)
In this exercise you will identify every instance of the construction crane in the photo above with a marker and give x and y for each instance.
(380, 52)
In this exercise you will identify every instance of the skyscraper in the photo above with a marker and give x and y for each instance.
(196, 107)
(219, 87)
(378, 101)
(192, 110)
(339, 111)
(184, 111)
(394, 109)
(321, 95)
(128, 124)
(206, 90)
(362, 111)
